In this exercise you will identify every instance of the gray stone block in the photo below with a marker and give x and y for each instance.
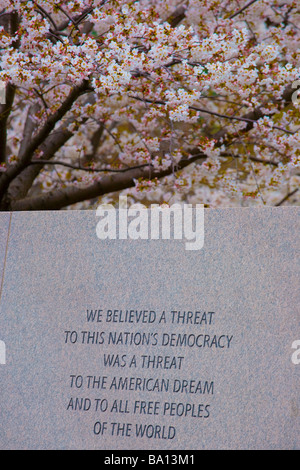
(147, 379)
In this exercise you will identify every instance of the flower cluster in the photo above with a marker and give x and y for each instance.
(197, 93)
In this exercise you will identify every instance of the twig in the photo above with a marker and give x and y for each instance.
(45, 13)
(212, 113)
(83, 168)
(242, 9)
(286, 197)
(67, 15)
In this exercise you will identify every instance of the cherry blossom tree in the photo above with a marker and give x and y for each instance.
(180, 101)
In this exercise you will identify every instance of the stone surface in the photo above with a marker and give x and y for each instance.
(247, 274)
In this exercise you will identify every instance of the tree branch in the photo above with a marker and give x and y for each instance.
(256, 114)
(286, 197)
(17, 187)
(249, 118)
(59, 198)
(242, 9)
(26, 156)
(177, 16)
(46, 14)
(84, 168)
(10, 23)
(5, 110)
